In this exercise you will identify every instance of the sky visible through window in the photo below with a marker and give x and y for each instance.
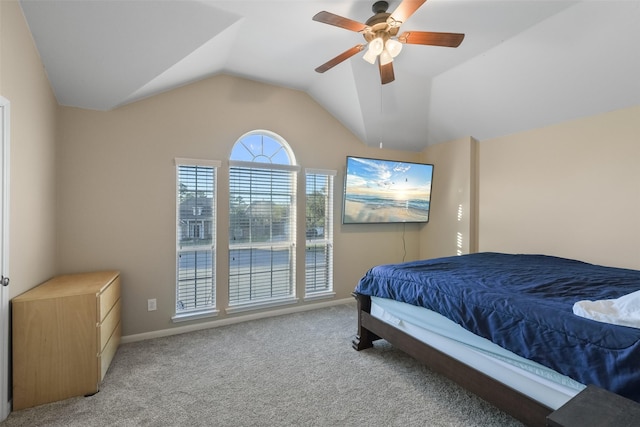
(260, 148)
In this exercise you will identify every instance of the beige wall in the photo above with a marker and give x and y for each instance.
(116, 185)
(33, 127)
(569, 190)
(452, 228)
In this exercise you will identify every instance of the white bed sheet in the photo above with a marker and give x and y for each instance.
(533, 379)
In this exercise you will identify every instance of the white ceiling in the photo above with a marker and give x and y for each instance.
(523, 64)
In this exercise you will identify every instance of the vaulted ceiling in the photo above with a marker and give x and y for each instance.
(523, 63)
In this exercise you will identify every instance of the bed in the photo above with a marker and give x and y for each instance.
(503, 326)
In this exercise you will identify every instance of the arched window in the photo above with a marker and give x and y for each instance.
(262, 221)
(262, 147)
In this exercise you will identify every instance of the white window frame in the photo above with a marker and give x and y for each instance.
(209, 310)
(326, 242)
(289, 245)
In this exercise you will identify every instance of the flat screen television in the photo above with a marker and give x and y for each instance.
(386, 191)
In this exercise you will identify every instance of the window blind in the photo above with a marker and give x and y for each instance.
(262, 233)
(195, 236)
(319, 232)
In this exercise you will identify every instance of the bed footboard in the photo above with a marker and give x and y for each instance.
(513, 402)
(364, 338)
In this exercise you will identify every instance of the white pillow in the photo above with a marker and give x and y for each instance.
(623, 311)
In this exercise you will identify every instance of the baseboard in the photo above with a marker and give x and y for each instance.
(232, 320)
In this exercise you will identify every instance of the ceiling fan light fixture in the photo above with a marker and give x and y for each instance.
(370, 56)
(385, 57)
(393, 47)
(376, 45)
(375, 48)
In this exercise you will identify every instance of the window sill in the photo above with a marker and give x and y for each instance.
(319, 295)
(260, 305)
(194, 315)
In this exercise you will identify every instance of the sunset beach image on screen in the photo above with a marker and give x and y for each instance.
(386, 191)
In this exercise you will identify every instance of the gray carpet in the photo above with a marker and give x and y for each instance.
(293, 370)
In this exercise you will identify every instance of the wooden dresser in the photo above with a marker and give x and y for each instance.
(65, 334)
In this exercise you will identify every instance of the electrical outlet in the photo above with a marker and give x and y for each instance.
(151, 304)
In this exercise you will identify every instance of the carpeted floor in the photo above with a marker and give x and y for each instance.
(293, 370)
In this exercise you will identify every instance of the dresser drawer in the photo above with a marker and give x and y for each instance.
(108, 298)
(108, 325)
(105, 358)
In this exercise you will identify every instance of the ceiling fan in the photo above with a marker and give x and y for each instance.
(381, 34)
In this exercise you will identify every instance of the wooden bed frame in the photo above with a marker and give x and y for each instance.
(509, 400)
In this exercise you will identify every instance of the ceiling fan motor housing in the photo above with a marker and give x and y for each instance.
(379, 25)
(380, 7)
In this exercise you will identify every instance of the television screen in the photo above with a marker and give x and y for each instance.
(386, 191)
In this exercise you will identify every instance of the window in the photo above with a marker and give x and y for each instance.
(319, 233)
(262, 218)
(195, 237)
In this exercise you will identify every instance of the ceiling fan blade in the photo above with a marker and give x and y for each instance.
(339, 21)
(338, 59)
(386, 73)
(431, 38)
(406, 9)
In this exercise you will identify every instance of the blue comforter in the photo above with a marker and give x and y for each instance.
(524, 304)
